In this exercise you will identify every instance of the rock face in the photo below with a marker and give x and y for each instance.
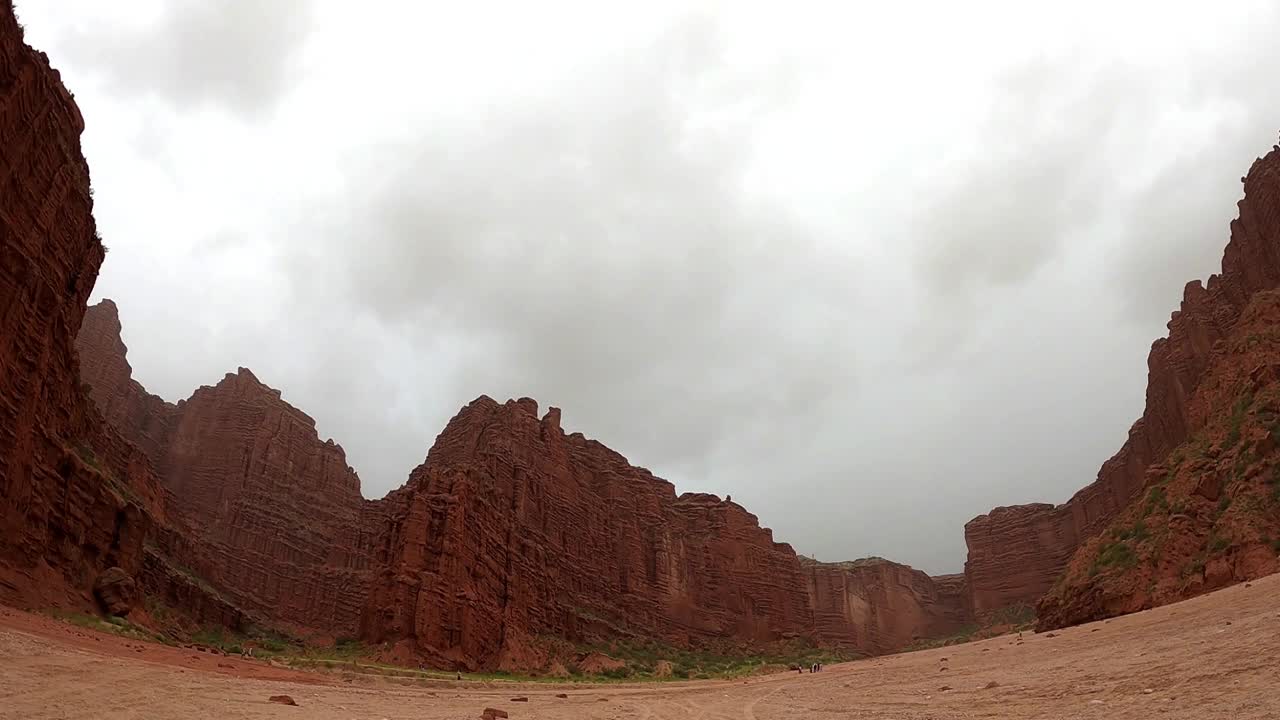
(1015, 554)
(1209, 514)
(116, 590)
(881, 606)
(511, 531)
(142, 418)
(274, 514)
(75, 499)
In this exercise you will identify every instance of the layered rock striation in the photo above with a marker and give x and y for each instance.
(1016, 554)
(1209, 515)
(512, 531)
(881, 606)
(280, 522)
(75, 499)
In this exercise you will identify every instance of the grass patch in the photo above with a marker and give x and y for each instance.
(1113, 555)
(1238, 412)
(1157, 499)
(114, 625)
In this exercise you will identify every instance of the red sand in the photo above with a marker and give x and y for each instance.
(1209, 657)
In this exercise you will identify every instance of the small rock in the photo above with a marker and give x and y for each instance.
(942, 669)
(562, 696)
(945, 688)
(1147, 691)
(1095, 630)
(1228, 622)
(991, 685)
(520, 699)
(1096, 702)
(602, 699)
(282, 700)
(1051, 635)
(491, 713)
(1248, 584)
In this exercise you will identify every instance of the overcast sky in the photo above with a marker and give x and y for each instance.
(871, 268)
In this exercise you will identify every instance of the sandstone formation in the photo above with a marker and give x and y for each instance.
(116, 590)
(880, 606)
(75, 499)
(1015, 554)
(510, 532)
(227, 504)
(1210, 514)
(281, 526)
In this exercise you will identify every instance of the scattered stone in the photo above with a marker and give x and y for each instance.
(519, 699)
(991, 685)
(491, 713)
(562, 696)
(945, 688)
(1147, 691)
(1050, 635)
(1096, 702)
(116, 590)
(282, 700)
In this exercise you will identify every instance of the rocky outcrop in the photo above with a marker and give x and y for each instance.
(142, 418)
(1015, 554)
(1209, 515)
(275, 515)
(513, 530)
(75, 499)
(877, 606)
(510, 532)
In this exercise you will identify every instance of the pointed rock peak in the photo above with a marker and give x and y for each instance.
(552, 418)
(106, 305)
(526, 404)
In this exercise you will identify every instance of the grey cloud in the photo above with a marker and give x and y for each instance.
(237, 54)
(865, 385)
(598, 252)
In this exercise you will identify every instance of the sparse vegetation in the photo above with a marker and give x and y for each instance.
(1113, 555)
(1238, 412)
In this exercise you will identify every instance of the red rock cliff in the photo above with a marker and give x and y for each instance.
(880, 606)
(1015, 554)
(510, 531)
(74, 498)
(274, 515)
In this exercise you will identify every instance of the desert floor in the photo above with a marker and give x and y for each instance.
(1211, 657)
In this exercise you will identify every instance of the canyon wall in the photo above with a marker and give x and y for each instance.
(881, 606)
(75, 498)
(1210, 513)
(1016, 554)
(510, 532)
(275, 513)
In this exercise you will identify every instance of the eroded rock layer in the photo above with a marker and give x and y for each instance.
(880, 606)
(75, 499)
(1015, 554)
(274, 513)
(512, 531)
(1210, 514)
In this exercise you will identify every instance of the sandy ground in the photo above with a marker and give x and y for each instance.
(1211, 657)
